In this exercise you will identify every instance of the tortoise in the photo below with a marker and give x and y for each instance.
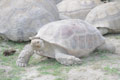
(21, 19)
(66, 41)
(106, 17)
(77, 9)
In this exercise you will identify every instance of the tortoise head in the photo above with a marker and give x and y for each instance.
(37, 43)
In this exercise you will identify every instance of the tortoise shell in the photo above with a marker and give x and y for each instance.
(106, 15)
(72, 34)
(77, 9)
(21, 19)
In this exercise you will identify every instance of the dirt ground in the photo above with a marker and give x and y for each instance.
(98, 66)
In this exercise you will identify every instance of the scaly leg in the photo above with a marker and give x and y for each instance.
(24, 56)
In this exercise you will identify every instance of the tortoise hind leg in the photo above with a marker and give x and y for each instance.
(108, 47)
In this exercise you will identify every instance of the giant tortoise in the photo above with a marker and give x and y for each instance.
(21, 19)
(77, 9)
(66, 41)
(106, 17)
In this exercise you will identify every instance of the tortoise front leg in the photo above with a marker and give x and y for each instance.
(24, 56)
